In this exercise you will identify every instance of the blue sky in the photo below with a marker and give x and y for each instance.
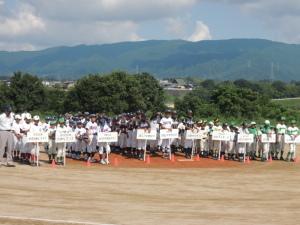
(38, 24)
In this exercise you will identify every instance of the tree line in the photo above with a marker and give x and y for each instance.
(121, 92)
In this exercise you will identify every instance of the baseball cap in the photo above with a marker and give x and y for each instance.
(18, 117)
(36, 117)
(28, 116)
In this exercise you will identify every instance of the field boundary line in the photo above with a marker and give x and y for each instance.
(50, 220)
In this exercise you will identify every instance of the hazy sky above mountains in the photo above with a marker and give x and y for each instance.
(37, 24)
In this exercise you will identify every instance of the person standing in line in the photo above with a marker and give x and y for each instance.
(166, 123)
(6, 136)
(293, 131)
(104, 147)
(17, 137)
(61, 147)
(52, 151)
(92, 129)
(142, 144)
(253, 146)
(281, 130)
(266, 129)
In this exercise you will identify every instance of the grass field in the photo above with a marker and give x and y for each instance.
(243, 194)
(288, 103)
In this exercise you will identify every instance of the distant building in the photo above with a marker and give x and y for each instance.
(62, 84)
(175, 84)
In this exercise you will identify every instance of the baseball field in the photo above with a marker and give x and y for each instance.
(162, 192)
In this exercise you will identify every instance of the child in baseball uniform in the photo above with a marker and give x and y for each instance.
(141, 144)
(92, 129)
(281, 130)
(293, 131)
(52, 151)
(25, 146)
(225, 145)
(253, 146)
(188, 144)
(80, 131)
(61, 147)
(123, 134)
(242, 147)
(166, 123)
(216, 144)
(266, 129)
(232, 149)
(104, 147)
(17, 137)
(35, 147)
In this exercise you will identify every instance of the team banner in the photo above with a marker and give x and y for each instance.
(220, 136)
(64, 136)
(245, 138)
(108, 137)
(146, 134)
(288, 139)
(268, 138)
(37, 137)
(168, 134)
(194, 135)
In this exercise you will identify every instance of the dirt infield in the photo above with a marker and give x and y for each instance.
(156, 162)
(211, 192)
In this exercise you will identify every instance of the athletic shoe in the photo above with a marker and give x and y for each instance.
(102, 162)
(106, 161)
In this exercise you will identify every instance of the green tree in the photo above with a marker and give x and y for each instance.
(26, 92)
(153, 94)
(237, 102)
(115, 93)
(54, 99)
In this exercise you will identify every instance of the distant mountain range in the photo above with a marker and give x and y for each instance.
(253, 59)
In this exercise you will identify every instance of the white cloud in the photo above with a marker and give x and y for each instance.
(176, 27)
(281, 16)
(34, 24)
(44, 23)
(110, 9)
(24, 23)
(201, 32)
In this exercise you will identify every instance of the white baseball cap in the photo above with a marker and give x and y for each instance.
(36, 117)
(28, 116)
(18, 117)
(267, 122)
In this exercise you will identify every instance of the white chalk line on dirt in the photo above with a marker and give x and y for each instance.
(50, 220)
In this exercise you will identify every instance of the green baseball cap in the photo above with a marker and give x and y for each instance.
(53, 122)
(61, 120)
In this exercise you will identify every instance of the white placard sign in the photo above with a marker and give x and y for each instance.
(146, 134)
(194, 135)
(220, 136)
(64, 136)
(245, 138)
(168, 134)
(288, 139)
(37, 137)
(266, 138)
(108, 137)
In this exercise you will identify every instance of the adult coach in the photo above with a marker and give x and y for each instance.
(6, 136)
